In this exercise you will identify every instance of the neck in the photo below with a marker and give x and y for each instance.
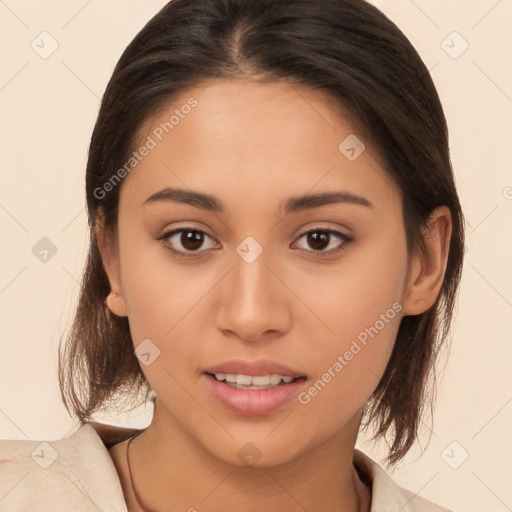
(168, 466)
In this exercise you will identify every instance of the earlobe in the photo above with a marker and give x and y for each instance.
(428, 269)
(109, 256)
(115, 302)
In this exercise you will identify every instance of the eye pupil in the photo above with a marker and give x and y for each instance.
(192, 240)
(317, 239)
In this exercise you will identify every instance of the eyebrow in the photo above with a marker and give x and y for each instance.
(290, 205)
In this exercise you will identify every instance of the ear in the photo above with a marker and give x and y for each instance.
(110, 257)
(427, 270)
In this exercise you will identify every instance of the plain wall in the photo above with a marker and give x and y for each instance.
(48, 108)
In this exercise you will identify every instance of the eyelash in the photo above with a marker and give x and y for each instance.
(337, 234)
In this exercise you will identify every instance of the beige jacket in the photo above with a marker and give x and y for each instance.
(76, 474)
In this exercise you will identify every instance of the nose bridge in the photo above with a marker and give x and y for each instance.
(253, 300)
(252, 284)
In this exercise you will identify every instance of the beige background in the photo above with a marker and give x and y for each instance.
(48, 107)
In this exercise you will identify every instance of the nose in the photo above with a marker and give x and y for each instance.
(255, 304)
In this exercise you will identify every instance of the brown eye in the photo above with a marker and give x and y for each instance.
(191, 240)
(319, 240)
(186, 241)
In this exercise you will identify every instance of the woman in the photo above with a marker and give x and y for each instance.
(276, 248)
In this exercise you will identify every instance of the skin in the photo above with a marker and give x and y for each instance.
(252, 146)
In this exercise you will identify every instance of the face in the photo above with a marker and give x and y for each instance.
(259, 270)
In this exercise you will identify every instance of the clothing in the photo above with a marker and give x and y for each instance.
(76, 474)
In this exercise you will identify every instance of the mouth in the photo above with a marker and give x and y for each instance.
(257, 389)
(243, 381)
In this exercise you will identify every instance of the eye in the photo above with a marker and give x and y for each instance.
(321, 239)
(190, 241)
(185, 241)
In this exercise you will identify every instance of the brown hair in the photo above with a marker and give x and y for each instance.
(346, 48)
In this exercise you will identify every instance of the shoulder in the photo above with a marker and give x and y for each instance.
(386, 493)
(74, 473)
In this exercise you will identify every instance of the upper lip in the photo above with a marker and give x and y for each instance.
(254, 368)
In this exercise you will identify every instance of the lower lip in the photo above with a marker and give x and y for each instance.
(253, 402)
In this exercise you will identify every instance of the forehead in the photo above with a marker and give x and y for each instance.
(255, 139)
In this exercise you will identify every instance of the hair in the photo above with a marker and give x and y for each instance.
(345, 48)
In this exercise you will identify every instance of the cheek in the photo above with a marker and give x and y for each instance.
(347, 369)
(360, 303)
(352, 295)
(165, 304)
(158, 293)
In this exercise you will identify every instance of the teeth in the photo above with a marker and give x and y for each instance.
(249, 380)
